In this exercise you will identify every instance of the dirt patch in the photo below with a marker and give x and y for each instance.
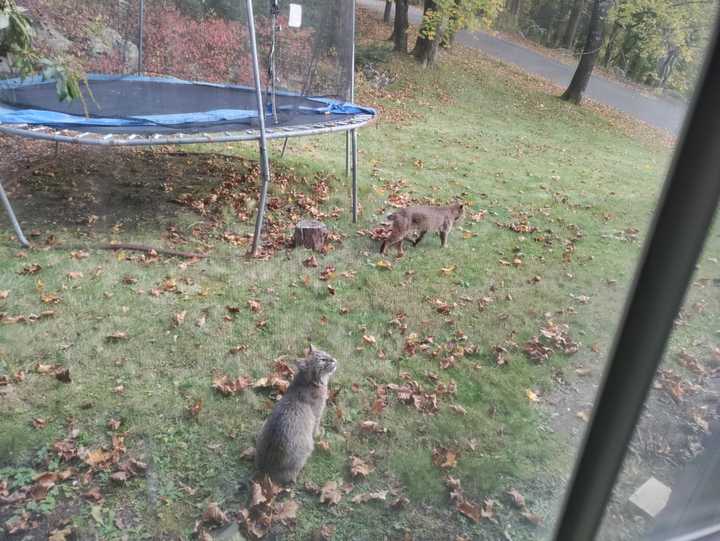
(100, 191)
(107, 188)
(672, 432)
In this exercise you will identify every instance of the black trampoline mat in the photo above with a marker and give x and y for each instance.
(121, 98)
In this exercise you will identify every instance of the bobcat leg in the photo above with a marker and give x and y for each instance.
(443, 238)
(401, 251)
(383, 246)
(422, 234)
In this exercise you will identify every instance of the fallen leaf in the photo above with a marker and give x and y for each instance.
(360, 468)
(378, 406)
(200, 322)
(380, 495)
(372, 426)
(532, 396)
(79, 254)
(117, 336)
(324, 533)
(323, 444)
(228, 387)
(50, 298)
(446, 271)
(518, 500)
(310, 261)
(583, 372)
(39, 423)
(4, 294)
(195, 408)
(179, 318)
(31, 269)
(97, 457)
(93, 494)
(399, 503)
(383, 264)
(248, 454)
(60, 534)
(63, 375)
(458, 409)
(113, 424)
(214, 515)
(286, 511)
(583, 415)
(470, 509)
(254, 305)
(74, 275)
(532, 518)
(330, 494)
(42, 484)
(369, 339)
(120, 389)
(444, 458)
(120, 476)
(328, 273)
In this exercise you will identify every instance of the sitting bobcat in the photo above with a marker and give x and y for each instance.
(422, 219)
(285, 441)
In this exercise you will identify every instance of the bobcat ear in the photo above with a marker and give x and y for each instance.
(313, 349)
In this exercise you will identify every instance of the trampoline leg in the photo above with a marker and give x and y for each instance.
(13, 219)
(264, 162)
(347, 154)
(57, 149)
(265, 168)
(282, 153)
(353, 134)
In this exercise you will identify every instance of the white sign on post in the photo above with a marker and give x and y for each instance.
(295, 17)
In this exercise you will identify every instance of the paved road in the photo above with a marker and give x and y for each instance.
(663, 113)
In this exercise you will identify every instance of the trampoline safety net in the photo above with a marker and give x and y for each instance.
(185, 65)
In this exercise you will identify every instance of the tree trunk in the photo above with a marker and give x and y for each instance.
(453, 26)
(611, 44)
(666, 67)
(388, 11)
(568, 38)
(401, 25)
(593, 43)
(515, 8)
(310, 234)
(426, 47)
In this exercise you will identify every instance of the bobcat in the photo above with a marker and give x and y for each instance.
(285, 441)
(422, 219)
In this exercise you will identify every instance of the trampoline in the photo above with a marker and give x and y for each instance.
(307, 89)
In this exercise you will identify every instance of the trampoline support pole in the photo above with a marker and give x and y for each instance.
(353, 136)
(141, 36)
(264, 162)
(347, 154)
(351, 141)
(13, 219)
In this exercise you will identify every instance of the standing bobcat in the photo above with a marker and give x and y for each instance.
(422, 219)
(285, 441)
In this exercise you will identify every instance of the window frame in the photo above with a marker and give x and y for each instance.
(681, 223)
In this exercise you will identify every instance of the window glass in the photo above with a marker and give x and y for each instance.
(460, 239)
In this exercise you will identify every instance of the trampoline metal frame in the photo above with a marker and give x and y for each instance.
(262, 135)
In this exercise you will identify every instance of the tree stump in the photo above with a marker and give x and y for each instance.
(310, 234)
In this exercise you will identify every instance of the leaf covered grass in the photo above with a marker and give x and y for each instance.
(578, 190)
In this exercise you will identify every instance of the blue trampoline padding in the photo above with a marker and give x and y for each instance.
(45, 117)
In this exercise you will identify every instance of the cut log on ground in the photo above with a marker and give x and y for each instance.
(310, 234)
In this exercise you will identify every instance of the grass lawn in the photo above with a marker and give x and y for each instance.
(559, 199)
